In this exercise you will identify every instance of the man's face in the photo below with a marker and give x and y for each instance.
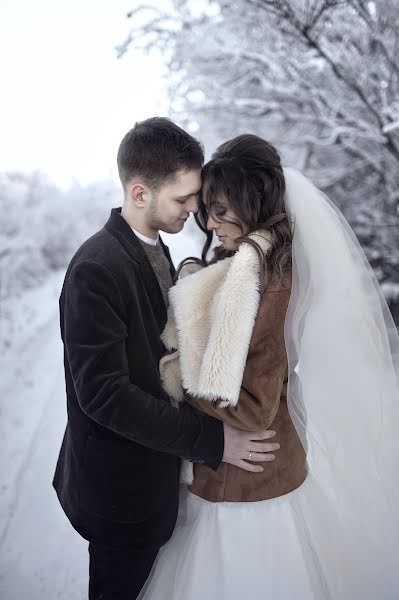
(170, 207)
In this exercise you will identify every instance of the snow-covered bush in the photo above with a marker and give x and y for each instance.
(41, 226)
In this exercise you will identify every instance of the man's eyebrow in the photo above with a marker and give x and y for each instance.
(188, 195)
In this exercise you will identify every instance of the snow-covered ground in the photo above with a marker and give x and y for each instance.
(42, 557)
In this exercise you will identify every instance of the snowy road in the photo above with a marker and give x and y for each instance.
(41, 557)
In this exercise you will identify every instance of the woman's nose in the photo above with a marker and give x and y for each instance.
(211, 224)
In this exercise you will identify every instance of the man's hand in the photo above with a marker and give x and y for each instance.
(241, 446)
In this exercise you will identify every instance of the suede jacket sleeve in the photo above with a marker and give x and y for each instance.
(95, 341)
(265, 370)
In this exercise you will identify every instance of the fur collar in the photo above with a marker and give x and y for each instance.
(210, 321)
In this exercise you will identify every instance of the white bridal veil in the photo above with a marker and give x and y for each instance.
(343, 392)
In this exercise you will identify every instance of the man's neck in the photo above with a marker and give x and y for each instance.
(138, 225)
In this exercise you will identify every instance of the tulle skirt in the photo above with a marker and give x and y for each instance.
(295, 547)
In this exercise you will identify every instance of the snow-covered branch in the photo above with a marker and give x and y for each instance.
(391, 127)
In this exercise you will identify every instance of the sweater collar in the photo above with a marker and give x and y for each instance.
(144, 238)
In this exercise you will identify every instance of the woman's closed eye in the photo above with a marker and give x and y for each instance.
(218, 211)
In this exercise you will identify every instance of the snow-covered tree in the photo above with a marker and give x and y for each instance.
(319, 78)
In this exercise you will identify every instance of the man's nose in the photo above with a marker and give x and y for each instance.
(193, 206)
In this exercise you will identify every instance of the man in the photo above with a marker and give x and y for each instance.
(118, 471)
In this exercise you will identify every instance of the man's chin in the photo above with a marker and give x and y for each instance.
(173, 228)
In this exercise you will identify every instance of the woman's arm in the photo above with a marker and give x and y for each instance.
(265, 370)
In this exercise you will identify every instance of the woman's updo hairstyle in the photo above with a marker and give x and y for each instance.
(246, 172)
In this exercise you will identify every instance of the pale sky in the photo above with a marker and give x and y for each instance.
(66, 100)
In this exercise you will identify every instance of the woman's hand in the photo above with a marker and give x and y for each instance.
(240, 447)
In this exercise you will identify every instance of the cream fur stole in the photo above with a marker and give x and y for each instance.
(211, 317)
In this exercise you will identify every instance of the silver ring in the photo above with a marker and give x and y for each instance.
(249, 457)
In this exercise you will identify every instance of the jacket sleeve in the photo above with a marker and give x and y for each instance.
(95, 332)
(265, 370)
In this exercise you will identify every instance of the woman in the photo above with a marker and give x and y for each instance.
(288, 299)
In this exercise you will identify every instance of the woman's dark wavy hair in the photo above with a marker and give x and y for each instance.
(246, 171)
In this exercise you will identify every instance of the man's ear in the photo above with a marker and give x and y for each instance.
(138, 194)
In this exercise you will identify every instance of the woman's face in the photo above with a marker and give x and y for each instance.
(227, 232)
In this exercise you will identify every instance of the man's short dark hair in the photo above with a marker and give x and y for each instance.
(155, 149)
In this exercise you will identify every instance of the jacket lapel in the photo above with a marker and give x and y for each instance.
(167, 254)
(121, 230)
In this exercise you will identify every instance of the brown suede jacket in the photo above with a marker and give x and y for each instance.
(262, 404)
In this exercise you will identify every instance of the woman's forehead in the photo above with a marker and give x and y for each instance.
(211, 196)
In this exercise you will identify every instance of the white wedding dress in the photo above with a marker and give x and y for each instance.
(337, 536)
(287, 548)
